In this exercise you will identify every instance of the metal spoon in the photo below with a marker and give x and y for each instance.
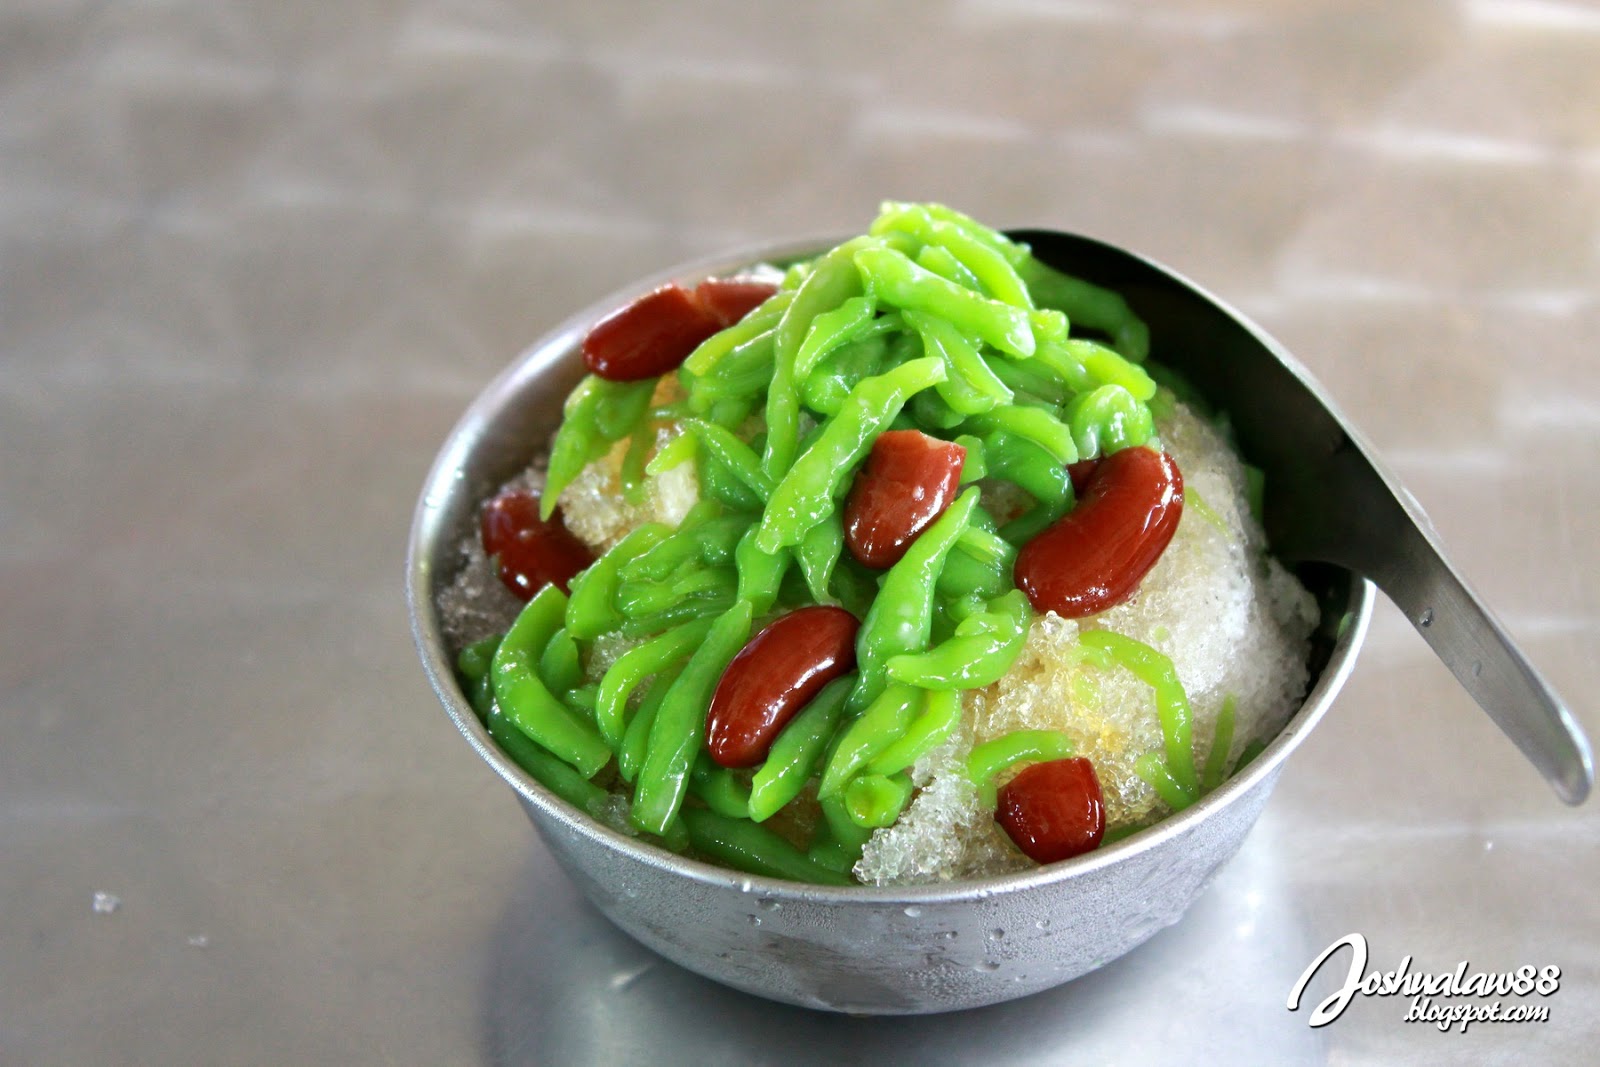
(1334, 502)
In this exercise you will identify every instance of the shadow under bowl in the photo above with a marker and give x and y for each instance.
(870, 950)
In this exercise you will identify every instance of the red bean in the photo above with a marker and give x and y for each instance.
(1053, 811)
(1080, 473)
(533, 553)
(731, 299)
(1095, 556)
(773, 677)
(650, 336)
(908, 481)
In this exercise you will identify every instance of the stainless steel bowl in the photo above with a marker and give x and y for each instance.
(870, 950)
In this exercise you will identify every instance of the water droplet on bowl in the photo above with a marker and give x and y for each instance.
(106, 903)
(1425, 620)
(912, 911)
(996, 934)
(987, 966)
(767, 904)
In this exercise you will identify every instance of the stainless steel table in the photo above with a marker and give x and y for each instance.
(256, 256)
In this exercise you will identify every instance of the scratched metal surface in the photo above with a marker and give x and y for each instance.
(256, 257)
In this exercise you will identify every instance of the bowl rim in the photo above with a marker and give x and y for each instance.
(428, 542)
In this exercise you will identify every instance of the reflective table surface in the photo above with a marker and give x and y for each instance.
(255, 258)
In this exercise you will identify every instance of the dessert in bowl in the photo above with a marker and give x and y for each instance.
(839, 617)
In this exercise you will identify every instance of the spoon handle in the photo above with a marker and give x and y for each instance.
(1377, 529)
(1473, 644)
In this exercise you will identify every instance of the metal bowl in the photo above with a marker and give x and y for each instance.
(893, 950)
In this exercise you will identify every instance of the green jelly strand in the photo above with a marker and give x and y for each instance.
(760, 572)
(818, 554)
(1248, 754)
(1255, 490)
(832, 329)
(1024, 463)
(544, 768)
(1035, 425)
(1037, 473)
(1062, 360)
(1089, 306)
(636, 738)
(705, 359)
(737, 456)
(967, 575)
(582, 698)
(1172, 703)
(646, 599)
(474, 661)
(970, 386)
(980, 652)
(927, 732)
(896, 280)
(558, 663)
(525, 698)
(833, 280)
(806, 494)
(828, 386)
(980, 564)
(876, 800)
(882, 724)
(680, 723)
(901, 617)
(744, 371)
(974, 465)
(1108, 367)
(744, 846)
(596, 414)
(1216, 767)
(719, 483)
(676, 548)
(700, 607)
(795, 754)
(1108, 420)
(981, 253)
(904, 217)
(676, 452)
(1029, 379)
(940, 261)
(991, 267)
(1153, 769)
(839, 840)
(854, 586)
(930, 412)
(592, 610)
(634, 666)
(722, 790)
(992, 757)
(481, 697)
(632, 475)
(706, 535)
